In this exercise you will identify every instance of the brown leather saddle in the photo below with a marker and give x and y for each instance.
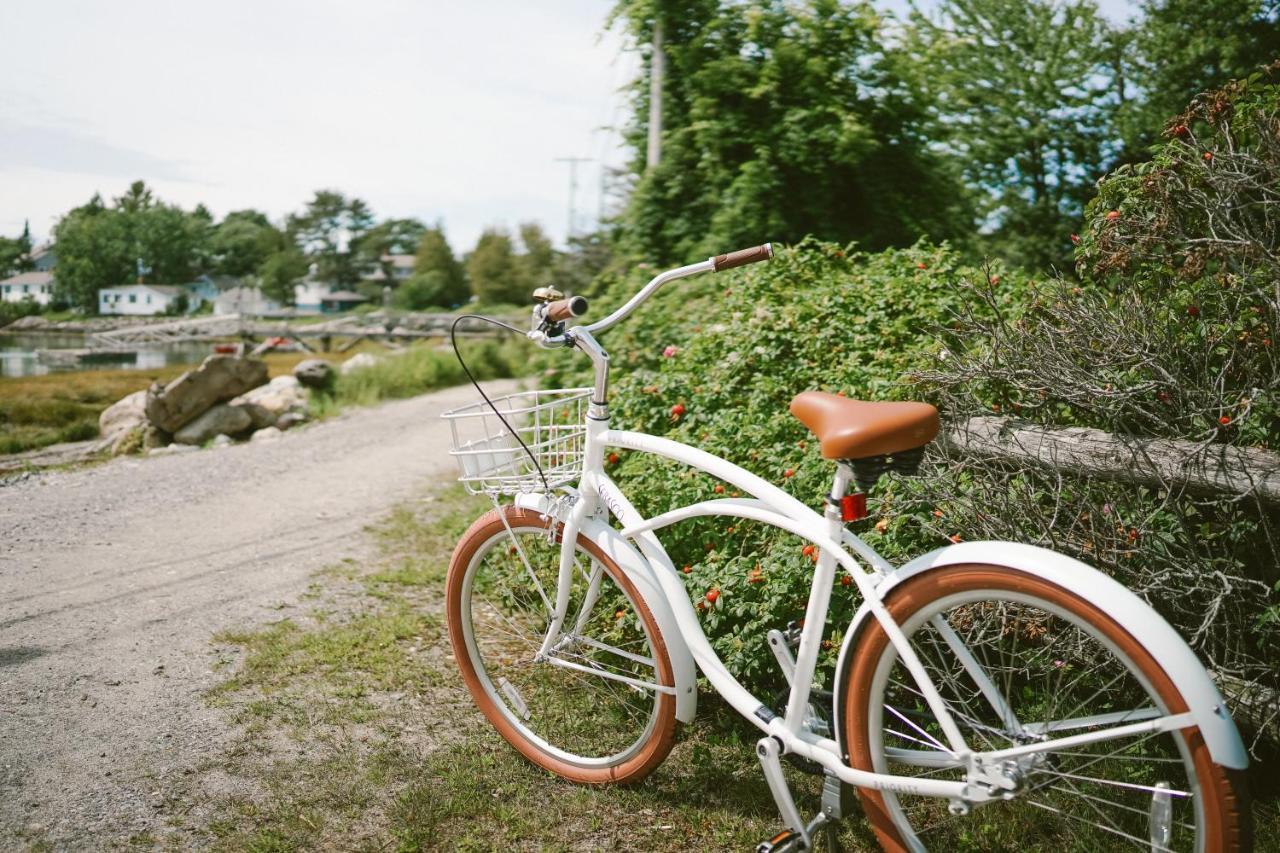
(875, 437)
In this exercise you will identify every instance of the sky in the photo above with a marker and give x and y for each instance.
(445, 110)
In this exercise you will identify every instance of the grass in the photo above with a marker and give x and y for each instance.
(357, 732)
(37, 411)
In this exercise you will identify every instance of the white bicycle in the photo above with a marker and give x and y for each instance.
(987, 694)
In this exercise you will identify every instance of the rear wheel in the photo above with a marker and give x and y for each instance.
(600, 706)
(1055, 666)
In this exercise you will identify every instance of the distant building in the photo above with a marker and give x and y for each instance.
(44, 257)
(36, 285)
(318, 297)
(401, 269)
(245, 300)
(207, 288)
(141, 299)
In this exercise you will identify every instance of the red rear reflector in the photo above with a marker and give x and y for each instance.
(853, 507)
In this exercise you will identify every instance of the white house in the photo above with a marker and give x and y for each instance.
(140, 299)
(36, 285)
(401, 268)
(245, 300)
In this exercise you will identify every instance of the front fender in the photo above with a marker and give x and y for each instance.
(1146, 626)
(640, 573)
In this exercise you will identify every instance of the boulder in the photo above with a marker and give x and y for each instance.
(314, 373)
(268, 434)
(124, 416)
(222, 419)
(280, 395)
(33, 321)
(219, 378)
(289, 420)
(259, 416)
(359, 361)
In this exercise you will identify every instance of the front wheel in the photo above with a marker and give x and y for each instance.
(1044, 664)
(599, 706)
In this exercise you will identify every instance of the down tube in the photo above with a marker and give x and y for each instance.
(673, 588)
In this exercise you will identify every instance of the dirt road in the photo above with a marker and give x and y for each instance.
(113, 580)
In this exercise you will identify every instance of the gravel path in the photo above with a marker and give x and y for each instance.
(114, 578)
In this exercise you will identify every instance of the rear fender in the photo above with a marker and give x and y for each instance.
(1146, 626)
(640, 573)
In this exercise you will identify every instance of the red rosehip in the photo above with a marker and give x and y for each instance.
(677, 410)
(1224, 420)
(1179, 130)
(1113, 215)
(921, 266)
(954, 537)
(790, 472)
(613, 459)
(807, 550)
(719, 489)
(1208, 156)
(1193, 310)
(712, 595)
(845, 580)
(687, 569)
(1075, 239)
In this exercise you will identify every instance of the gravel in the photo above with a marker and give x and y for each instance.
(113, 579)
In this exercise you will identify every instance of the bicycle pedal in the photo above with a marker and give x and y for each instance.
(787, 841)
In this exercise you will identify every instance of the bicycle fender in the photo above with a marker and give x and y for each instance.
(1152, 632)
(640, 573)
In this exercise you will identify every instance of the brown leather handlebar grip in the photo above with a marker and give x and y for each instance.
(563, 309)
(742, 257)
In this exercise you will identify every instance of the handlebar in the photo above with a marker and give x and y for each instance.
(742, 257)
(563, 309)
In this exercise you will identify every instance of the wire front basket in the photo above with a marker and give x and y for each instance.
(551, 423)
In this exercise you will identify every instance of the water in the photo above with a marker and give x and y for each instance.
(18, 355)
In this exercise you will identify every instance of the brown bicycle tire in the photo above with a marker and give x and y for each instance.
(651, 753)
(1227, 824)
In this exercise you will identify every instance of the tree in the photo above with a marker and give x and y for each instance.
(137, 236)
(438, 278)
(537, 261)
(329, 233)
(1020, 90)
(280, 272)
(781, 119)
(243, 241)
(493, 270)
(15, 252)
(392, 237)
(1182, 48)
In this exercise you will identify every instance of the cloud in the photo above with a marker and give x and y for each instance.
(59, 149)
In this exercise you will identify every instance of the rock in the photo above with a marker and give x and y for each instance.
(222, 419)
(123, 417)
(289, 420)
(219, 378)
(171, 449)
(268, 434)
(314, 373)
(223, 440)
(34, 321)
(359, 361)
(259, 416)
(282, 394)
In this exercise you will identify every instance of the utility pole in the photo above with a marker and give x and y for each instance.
(573, 191)
(657, 71)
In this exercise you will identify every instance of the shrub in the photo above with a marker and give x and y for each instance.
(420, 370)
(818, 316)
(1169, 335)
